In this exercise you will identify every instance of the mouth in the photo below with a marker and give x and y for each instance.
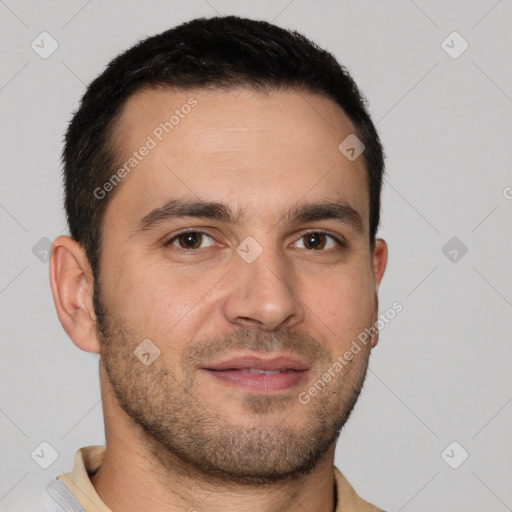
(259, 374)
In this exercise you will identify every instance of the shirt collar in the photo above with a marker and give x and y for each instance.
(87, 462)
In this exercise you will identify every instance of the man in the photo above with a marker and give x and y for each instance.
(222, 188)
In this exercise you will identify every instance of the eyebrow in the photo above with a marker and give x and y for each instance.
(198, 208)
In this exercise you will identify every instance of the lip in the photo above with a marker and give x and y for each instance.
(280, 362)
(233, 372)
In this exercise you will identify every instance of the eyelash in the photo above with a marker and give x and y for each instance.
(340, 241)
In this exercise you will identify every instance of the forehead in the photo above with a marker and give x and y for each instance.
(258, 152)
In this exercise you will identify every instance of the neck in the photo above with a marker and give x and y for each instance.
(130, 480)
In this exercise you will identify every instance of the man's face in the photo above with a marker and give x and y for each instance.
(247, 311)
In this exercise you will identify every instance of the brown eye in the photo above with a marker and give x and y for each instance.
(315, 241)
(319, 241)
(189, 240)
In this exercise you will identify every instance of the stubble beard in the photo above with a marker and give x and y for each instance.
(182, 432)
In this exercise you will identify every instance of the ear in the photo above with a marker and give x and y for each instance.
(71, 281)
(379, 262)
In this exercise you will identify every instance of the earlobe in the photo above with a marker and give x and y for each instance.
(72, 287)
(375, 337)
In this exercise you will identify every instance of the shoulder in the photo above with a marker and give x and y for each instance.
(58, 498)
(55, 497)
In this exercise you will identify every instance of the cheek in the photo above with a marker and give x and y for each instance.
(344, 303)
(161, 302)
(144, 296)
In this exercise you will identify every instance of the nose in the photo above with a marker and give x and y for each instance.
(263, 294)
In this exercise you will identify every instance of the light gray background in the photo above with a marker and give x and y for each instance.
(442, 369)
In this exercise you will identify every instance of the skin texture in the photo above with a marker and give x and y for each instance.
(178, 438)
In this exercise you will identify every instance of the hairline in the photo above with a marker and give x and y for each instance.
(112, 133)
